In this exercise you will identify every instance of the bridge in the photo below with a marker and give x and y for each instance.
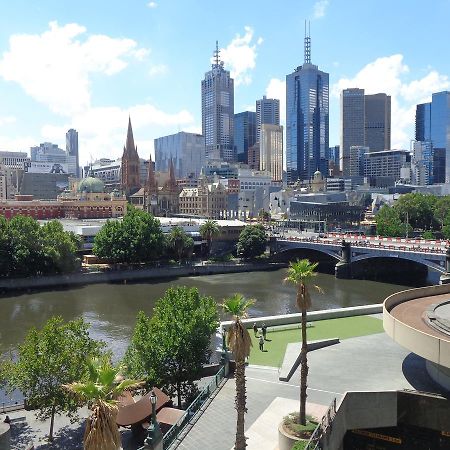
(347, 250)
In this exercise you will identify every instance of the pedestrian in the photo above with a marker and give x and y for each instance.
(255, 329)
(7, 420)
(261, 343)
(264, 330)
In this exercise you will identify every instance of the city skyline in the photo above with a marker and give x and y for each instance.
(63, 68)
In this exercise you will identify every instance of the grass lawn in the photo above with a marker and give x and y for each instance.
(344, 328)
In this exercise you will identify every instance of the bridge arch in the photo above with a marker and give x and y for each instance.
(332, 251)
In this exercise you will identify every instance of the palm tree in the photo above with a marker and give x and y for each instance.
(180, 242)
(208, 231)
(239, 342)
(300, 273)
(101, 391)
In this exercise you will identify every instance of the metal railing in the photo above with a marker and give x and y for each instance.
(194, 407)
(315, 441)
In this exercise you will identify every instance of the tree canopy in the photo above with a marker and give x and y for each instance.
(48, 358)
(134, 239)
(179, 242)
(170, 349)
(252, 241)
(28, 249)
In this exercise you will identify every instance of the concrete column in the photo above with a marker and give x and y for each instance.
(445, 277)
(343, 267)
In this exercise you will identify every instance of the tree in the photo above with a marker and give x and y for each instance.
(264, 216)
(417, 209)
(101, 391)
(209, 230)
(389, 223)
(180, 242)
(171, 348)
(252, 241)
(239, 342)
(300, 273)
(442, 209)
(49, 358)
(136, 238)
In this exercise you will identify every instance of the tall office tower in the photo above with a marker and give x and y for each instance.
(378, 122)
(433, 125)
(356, 160)
(307, 121)
(130, 170)
(352, 125)
(72, 148)
(267, 111)
(218, 111)
(271, 150)
(186, 151)
(244, 134)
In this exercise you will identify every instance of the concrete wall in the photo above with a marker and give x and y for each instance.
(423, 344)
(9, 284)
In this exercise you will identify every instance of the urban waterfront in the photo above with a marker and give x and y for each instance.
(111, 308)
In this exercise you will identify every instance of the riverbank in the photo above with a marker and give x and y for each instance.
(138, 273)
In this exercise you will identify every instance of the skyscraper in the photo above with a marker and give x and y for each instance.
(267, 111)
(433, 124)
(244, 134)
(352, 125)
(271, 150)
(218, 111)
(307, 120)
(378, 122)
(72, 148)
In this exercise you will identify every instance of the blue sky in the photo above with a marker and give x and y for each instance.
(88, 64)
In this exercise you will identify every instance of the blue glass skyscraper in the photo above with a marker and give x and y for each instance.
(244, 134)
(307, 120)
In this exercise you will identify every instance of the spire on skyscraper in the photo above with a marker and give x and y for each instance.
(308, 44)
(216, 55)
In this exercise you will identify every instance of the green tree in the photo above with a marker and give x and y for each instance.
(442, 209)
(101, 391)
(428, 235)
(300, 273)
(180, 242)
(209, 230)
(136, 238)
(171, 348)
(49, 358)
(417, 209)
(252, 241)
(264, 216)
(389, 223)
(239, 342)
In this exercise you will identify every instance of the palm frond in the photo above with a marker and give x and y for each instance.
(237, 305)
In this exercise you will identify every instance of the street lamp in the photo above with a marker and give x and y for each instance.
(153, 441)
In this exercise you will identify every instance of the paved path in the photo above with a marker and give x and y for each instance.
(372, 362)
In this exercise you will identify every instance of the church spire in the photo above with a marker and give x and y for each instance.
(130, 167)
(129, 145)
(151, 179)
(172, 179)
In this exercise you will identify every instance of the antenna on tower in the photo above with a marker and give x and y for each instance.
(217, 54)
(308, 44)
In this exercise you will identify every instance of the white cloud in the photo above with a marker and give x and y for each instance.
(152, 5)
(159, 69)
(240, 56)
(388, 74)
(320, 8)
(277, 89)
(102, 130)
(6, 120)
(54, 67)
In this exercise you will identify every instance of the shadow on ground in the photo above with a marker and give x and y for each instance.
(415, 372)
(22, 435)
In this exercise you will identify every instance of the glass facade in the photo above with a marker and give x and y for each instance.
(307, 122)
(244, 134)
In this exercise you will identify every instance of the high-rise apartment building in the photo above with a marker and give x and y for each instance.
(433, 125)
(356, 160)
(352, 125)
(185, 150)
(378, 122)
(218, 111)
(244, 134)
(307, 120)
(72, 149)
(267, 111)
(271, 150)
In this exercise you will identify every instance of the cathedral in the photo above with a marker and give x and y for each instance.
(130, 170)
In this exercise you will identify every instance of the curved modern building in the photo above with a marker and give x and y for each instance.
(419, 320)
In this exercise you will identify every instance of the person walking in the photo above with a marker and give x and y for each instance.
(261, 343)
(255, 329)
(264, 330)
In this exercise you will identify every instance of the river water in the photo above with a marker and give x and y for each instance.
(111, 308)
